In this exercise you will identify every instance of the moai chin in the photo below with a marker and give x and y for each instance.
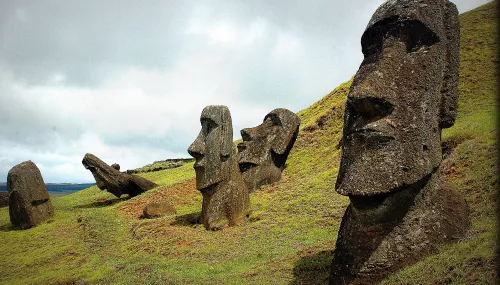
(403, 95)
(265, 148)
(225, 195)
(110, 179)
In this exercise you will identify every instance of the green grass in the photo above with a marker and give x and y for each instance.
(291, 232)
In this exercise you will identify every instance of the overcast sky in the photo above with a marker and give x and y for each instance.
(127, 80)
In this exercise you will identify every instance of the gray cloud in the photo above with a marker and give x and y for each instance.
(127, 80)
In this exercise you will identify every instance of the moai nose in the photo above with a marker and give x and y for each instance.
(197, 148)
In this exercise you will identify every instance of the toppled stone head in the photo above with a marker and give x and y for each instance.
(403, 94)
(29, 201)
(225, 195)
(110, 179)
(265, 148)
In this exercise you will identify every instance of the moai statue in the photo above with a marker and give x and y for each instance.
(110, 179)
(29, 201)
(265, 148)
(403, 95)
(225, 195)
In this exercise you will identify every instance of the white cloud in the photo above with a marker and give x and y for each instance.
(129, 86)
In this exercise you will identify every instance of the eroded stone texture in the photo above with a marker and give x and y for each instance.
(29, 201)
(116, 166)
(225, 195)
(265, 148)
(403, 94)
(4, 199)
(112, 180)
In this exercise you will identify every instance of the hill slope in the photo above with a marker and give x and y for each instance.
(290, 235)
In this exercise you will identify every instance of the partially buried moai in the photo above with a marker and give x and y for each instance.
(225, 195)
(403, 95)
(110, 179)
(265, 148)
(29, 200)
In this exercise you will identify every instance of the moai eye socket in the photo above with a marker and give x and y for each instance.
(418, 36)
(274, 119)
(208, 125)
(413, 33)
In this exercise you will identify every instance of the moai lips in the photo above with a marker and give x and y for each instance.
(265, 148)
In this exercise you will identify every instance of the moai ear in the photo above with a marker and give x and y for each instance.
(449, 89)
(289, 129)
(227, 132)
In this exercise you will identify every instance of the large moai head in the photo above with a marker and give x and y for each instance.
(265, 148)
(213, 149)
(403, 94)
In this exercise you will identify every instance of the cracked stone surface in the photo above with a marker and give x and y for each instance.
(225, 194)
(263, 152)
(404, 93)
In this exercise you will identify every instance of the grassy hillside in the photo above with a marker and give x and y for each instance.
(290, 234)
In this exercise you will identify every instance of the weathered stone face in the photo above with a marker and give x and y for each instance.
(403, 94)
(112, 180)
(29, 201)
(225, 195)
(265, 148)
(213, 147)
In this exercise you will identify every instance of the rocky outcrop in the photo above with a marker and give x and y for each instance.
(29, 201)
(112, 180)
(161, 165)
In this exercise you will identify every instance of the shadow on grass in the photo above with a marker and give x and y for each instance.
(313, 269)
(7, 227)
(187, 219)
(102, 203)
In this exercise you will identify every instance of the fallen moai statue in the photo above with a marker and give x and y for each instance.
(29, 201)
(225, 195)
(113, 181)
(403, 95)
(263, 152)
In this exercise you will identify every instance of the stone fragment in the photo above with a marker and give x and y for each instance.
(225, 195)
(4, 199)
(29, 201)
(403, 94)
(263, 152)
(116, 166)
(158, 209)
(112, 180)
